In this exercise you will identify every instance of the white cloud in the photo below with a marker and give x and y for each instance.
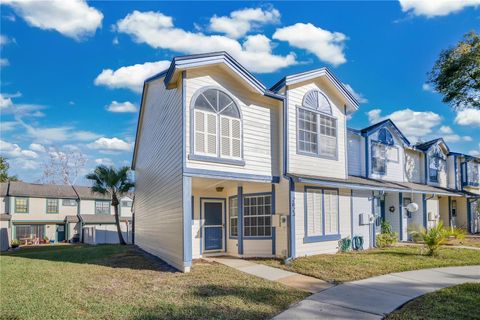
(131, 77)
(427, 87)
(240, 22)
(126, 106)
(326, 45)
(475, 153)
(5, 101)
(4, 62)
(27, 164)
(360, 98)
(434, 8)
(415, 125)
(104, 161)
(110, 144)
(37, 147)
(157, 30)
(468, 117)
(467, 138)
(74, 18)
(8, 126)
(445, 130)
(3, 40)
(13, 150)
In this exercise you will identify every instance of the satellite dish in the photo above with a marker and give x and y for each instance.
(412, 207)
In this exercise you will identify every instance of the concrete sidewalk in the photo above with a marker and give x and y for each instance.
(288, 278)
(374, 297)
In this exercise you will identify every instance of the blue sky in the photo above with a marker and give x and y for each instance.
(68, 68)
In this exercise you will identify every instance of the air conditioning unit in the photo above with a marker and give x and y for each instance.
(366, 218)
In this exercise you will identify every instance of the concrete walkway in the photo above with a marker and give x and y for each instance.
(374, 297)
(288, 278)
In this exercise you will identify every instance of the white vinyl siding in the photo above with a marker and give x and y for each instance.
(259, 132)
(158, 173)
(302, 162)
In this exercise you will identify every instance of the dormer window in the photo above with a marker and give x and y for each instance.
(217, 125)
(437, 163)
(316, 127)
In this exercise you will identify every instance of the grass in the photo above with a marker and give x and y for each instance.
(458, 302)
(120, 282)
(352, 266)
(468, 241)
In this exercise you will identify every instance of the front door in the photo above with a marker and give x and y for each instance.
(213, 226)
(60, 232)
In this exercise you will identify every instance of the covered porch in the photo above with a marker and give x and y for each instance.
(232, 217)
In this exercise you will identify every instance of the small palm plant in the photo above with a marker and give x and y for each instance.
(433, 238)
(113, 182)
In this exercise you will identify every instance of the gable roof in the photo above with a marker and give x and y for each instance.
(312, 74)
(424, 146)
(24, 189)
(387, 122)
(466, 156)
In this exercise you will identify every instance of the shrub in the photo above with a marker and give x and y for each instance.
(432, 238)
(457, 233)
(15, 244)
(387, 238)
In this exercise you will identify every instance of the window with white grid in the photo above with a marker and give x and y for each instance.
(307, 131)
(233, 212)
(217, 125)
(257, 215)
(316, 128)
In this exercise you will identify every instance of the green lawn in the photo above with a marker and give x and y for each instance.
(351, 266)
(468, 241)
(459, 302)
(115, 282)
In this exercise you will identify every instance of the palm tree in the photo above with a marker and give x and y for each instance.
(113, 182)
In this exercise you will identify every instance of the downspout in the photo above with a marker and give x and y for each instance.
(291, 182)
(80, 221)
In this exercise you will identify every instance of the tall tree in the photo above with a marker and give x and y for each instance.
(112, 182)
(4, 166)
(62, 167)
(456, 73)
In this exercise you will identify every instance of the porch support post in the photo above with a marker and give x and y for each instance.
(469, 215)
(449, 211)
(372, 242)
(424, 206)
(400, 209)
(240, 219)
(187, 222)
(273, 228)
(291, 199)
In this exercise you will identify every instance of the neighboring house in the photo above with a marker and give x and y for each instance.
(225, 166)
(5, 229)
(34, 211)
(464, 175)
(97, 217)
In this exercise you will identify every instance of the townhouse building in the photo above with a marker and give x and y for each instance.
(31, 213)
(224, 165)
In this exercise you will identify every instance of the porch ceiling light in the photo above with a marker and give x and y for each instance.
(219, 189)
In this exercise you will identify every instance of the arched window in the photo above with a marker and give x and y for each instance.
(436, 163)
(217, 125)
(385, 137)
(316, 128)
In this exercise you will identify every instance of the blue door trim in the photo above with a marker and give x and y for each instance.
(240, 219)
